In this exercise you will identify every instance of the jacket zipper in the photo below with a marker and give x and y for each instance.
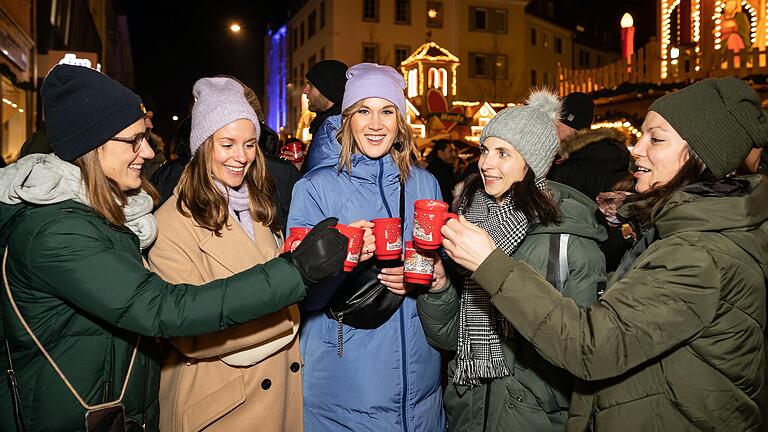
(403, 360)
(485, 406)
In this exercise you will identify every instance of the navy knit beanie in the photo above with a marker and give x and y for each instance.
(329, 77)
(84, 108)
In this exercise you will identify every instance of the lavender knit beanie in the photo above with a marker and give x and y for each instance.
(218, 102)
(367, 80)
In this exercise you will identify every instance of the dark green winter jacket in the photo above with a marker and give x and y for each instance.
(81, 285)
(674, 345)
(536, 396)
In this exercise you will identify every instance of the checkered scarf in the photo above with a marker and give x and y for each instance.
(480, 324)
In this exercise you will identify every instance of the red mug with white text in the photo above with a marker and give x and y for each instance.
(419, 265)
(354, 247)
(428, 217)
(295, 236)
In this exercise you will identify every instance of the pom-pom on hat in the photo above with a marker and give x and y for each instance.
(530, 129)
(84, 108)
(369, 80)
(218, 102)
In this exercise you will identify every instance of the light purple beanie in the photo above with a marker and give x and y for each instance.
(218, 102)
(367, 80)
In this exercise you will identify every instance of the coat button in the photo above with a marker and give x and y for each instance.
(519, 398)
(295, 366)
(266, 384)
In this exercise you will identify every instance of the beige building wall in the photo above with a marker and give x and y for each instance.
(546, 45)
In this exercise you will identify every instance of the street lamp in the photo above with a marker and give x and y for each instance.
(234, 28)
(175, 118)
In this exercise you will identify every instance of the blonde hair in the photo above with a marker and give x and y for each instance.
(103, 193)
(404, 156)
(200, 199)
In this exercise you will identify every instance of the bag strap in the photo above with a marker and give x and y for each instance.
(18, 411)
(557, 261)
(50, 359)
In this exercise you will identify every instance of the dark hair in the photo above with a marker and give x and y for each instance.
(648, 204)
(535, 204)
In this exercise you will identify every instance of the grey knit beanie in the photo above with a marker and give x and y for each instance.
(530, 129)
(720, 118)
(218, 102)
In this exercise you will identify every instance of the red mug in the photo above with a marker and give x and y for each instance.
(355, 246)
(428, 217)
(389, 238)
(294, 151)
(418, 266)
(295, 236)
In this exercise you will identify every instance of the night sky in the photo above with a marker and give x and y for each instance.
(176, 42)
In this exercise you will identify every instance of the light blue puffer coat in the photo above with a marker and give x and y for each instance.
(389, 377)
(324, 150)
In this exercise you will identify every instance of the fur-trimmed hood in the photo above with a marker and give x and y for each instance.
(585, 137)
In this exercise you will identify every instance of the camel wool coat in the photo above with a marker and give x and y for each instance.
(209, 382)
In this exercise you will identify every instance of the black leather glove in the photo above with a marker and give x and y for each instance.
(321, 254)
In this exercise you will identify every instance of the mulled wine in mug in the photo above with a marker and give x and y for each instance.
(428, 217)
(389, 238)
(419, 265)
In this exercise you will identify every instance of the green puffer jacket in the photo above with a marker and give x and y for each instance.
(677, 343)
(81, 285)
(537, 395)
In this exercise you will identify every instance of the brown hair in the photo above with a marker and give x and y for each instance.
(649, 204)
(403, 150)
(104, 194)
(201, 199)
(535, 204)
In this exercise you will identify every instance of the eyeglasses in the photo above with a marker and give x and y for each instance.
(136, 141)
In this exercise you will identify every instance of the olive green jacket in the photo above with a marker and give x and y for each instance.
(536, 396)
(677, 343)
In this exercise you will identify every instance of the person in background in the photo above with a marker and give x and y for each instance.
(497, 380)
(592, 161)
(225, 202)
(324, 91)
(155, 141)
(73, 225)
(388, 378)
(676, 342)
(442, 165)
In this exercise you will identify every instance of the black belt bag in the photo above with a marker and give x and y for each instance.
(363, 302)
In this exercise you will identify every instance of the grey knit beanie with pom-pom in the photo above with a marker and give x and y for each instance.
(530, 129)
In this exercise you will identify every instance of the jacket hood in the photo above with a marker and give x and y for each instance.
(583, 138)
(325, 149)
(578, 214)
(742, 218)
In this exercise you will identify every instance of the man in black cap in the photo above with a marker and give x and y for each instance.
(591, 161)
(324, 90)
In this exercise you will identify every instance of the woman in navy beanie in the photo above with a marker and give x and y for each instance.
(80, 311)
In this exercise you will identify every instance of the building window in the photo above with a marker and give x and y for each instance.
(545, 39)
(534, 36)
(487, 20)
(545, 79)
(413, 83)
(434, 14)
(402, 12)
(312, 60)
(301, 33)
(583, 58)
(322, 14)
(311, 24)
(438, 79)
(370, 10)
(401, 53)
(478, 19)
(301, 74)
(599, 60)
(533, 78)
(322, 53)
(370, 53)
(500, 67)
(295, 74)
(478, 65)
(295, 39)
(558, 45)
